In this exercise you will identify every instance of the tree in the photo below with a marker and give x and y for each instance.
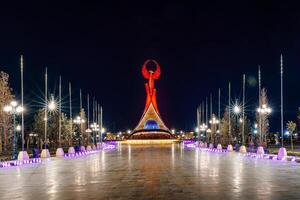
(226, 138)
(39, 125)
(5, 119)
(83, 127)
(52, 128)
(291, 127)
(262, 120)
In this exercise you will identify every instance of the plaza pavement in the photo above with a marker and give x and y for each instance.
(153, 172)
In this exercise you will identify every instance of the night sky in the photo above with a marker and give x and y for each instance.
(200, 47)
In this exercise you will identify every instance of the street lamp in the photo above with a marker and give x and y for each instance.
(52, 104)
(78, 120)
(263, 110)
(95, 128)
(214, 121)
(203, 128)
(18, 128)
(14, 109)
(237, 109)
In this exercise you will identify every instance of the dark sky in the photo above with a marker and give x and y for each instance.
(200, 47)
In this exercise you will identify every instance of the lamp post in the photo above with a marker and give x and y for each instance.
(282, 151)
(236, 111)
(203, 128)
(263, 110)
(214, 121)
(95, 128)
(78, 120)
(14, 109)
(59, 152)
(88, 130)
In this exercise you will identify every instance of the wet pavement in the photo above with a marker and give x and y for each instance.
(153, 172)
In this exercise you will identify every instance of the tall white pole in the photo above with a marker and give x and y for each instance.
(93, 132)
(22, 102)
(211, 111)
(70, 106)
(219, 108)
(243, 121)
(60, 102)
(80, 99)
(46, 108)
(198, 121)
(203, 112)
(219, 115)
(229, 112)
(101, 123)
(206, 118)
(97, 118)
(80, 114)
(281, 97)
(88, 109)
(259, 98)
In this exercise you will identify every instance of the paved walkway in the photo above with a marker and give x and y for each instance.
(153, 172)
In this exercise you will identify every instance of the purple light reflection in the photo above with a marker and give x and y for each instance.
(15, 163)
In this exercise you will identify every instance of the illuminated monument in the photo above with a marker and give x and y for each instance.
(151, 125)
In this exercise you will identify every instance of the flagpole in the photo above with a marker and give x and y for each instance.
(46, 108)
(243, 122)
(282, 153)
(281, 97)
(22, 101)
(70, 111)
(59, 130)
(229, 112)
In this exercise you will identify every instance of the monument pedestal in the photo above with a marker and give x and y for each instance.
(229, 148)
(243, 149)
(71, 150)
(282, 154)
(82, 148)
(99, 145)
(45, 153)
(260, 151)
(23, 155)
(89, 148)
(60, 152)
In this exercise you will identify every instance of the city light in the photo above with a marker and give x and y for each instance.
(264, 109)
(203, 127)
(237, 109)
(214, 120)
(95, 126)
(18, 128)
(78, 120)
(88, 130)
(14, 110)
